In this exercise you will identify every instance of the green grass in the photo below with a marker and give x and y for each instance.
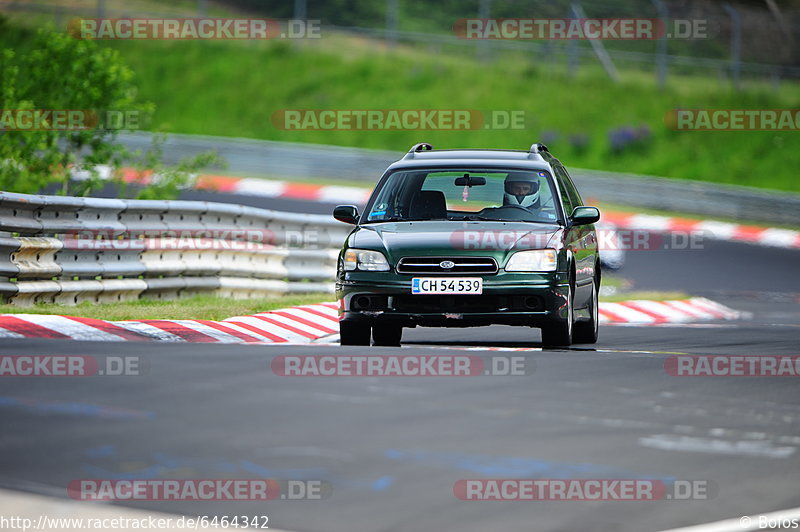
(233, 88)
(644, 294)
(615, 289)
(614, 282)
(193, 308)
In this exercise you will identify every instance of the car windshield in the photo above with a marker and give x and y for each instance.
(465, 194)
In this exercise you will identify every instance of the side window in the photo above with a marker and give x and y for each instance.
(564, 186)
(577, 201)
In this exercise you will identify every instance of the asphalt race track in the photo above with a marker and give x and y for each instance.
(392, 448)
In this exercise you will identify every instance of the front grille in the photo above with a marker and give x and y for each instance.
(432, 265)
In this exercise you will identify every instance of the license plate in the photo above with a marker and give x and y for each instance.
(446, 285)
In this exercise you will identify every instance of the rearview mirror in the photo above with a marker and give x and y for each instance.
(585, 215)
(346, 213)
(470, 181)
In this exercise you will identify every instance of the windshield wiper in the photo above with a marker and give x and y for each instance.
(395, 219)
(483, 218)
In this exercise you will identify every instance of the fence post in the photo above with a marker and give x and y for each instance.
(736, 44)
(572, 50)
(101, 8)
(392, 17)
(484, 12)
(300, 9)
(202, 8)
(572, 58)
(661, 46)
(597, 45)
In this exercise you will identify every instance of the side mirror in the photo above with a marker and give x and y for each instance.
(346, 213)
(585, 215)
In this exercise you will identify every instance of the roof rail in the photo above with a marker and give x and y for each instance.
(537, 147)
(416, 148)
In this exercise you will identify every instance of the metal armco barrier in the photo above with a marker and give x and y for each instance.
(67, 250)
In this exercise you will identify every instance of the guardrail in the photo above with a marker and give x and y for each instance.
(67, 250)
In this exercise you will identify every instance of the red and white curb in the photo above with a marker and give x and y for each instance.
(284, 189)
(302, 324)
(308, 323)
(765, 236)
(647, 312)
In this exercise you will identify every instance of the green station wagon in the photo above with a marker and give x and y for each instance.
(466, 238)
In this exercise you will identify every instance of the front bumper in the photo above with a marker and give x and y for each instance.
(510, 299)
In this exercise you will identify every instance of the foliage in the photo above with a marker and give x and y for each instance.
(60, 73)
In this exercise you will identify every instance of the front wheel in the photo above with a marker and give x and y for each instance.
(558, 333)
(353, 333)
(586, 331)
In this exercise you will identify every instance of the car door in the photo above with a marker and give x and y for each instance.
(581, 240)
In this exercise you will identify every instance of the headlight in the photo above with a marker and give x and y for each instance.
(365, 260)
(539, 260)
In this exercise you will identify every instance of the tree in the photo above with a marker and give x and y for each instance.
(64, 73)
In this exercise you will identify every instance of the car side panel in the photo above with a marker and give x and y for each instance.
(581, 240)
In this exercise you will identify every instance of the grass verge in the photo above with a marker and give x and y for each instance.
(614, 289)
(192, 308)
(643, 294)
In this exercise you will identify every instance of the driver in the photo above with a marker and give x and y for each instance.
(522, 189)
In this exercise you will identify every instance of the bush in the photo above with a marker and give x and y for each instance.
(61, 73)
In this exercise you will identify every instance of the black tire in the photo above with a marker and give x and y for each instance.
(585, 332)
(387, 335)
(559, 332)
(353, 333)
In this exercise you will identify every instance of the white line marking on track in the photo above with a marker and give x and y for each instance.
(672, 442)
(747, 523)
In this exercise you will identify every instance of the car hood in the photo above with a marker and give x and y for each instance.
(442, 238)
